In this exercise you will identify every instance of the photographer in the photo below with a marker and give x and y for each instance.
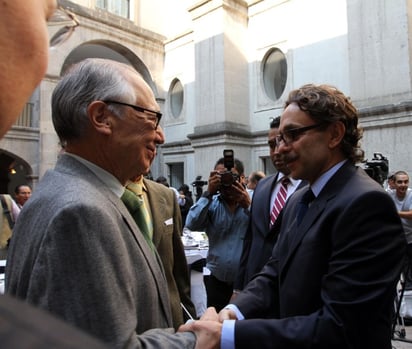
(185, 201)
(222, 212)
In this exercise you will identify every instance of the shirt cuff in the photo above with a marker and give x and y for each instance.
(233, 307)
(227, 340)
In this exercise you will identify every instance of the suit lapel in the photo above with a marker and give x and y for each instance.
(157, 204)
(153, 260)
(68, 164)
(294, 235)
(314, 211)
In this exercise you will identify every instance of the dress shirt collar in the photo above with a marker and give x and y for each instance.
(107, 178)
(323, 179)
(139, 181)
(293, 182)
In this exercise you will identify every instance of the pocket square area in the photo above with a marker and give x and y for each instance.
(169, 221)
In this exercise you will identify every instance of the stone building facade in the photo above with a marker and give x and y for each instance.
(220, 69)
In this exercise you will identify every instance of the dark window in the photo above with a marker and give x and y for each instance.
(176, 97)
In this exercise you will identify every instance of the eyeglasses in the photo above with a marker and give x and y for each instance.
(68, 21)
(292, 135)
(153, 116)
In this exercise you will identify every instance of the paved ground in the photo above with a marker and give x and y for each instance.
(405, 338)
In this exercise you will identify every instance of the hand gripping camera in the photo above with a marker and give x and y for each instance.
(227, 178)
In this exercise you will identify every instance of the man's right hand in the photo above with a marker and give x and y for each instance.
(227, 314)
(213, 183)
(207, 330)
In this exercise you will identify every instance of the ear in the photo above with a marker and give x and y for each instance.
(337, 132)
(100, 118)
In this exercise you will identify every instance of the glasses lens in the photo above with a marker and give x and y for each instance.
(289, 137)
(278, 139)
(61, 25)
(61, 36)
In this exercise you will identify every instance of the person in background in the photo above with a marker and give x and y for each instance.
(76, 250)
(21, 194)
(331, 280)
(9, 211)
(23, 62)
(402, 197)
(265, 213)
(252, 181)
(223, 213)
(390, 183)
(163, 180)
(185, 201)
(165, 218)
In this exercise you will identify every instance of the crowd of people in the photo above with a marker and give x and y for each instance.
(95, 258)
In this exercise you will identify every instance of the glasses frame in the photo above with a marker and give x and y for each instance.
(68, 21)
(140, 109)
(272, 144)
(292, 135)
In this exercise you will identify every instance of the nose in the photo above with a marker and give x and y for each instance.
(281, 148)
(160, 136)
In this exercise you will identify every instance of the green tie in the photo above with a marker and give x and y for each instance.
(137, 208)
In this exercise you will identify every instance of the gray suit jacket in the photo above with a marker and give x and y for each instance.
(78, 253)
(167, 231)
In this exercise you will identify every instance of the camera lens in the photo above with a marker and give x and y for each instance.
(226, 179)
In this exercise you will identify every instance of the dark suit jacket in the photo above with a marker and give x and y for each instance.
(77, 252)
(331, 282)
(259, 239)
(167, 231)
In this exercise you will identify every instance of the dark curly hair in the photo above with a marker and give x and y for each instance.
(326, 104)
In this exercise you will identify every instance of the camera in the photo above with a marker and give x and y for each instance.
(198, 185)
(377, 168)
(227, 178)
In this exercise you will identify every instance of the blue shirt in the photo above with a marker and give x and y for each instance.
(404, 205)
(225, 230)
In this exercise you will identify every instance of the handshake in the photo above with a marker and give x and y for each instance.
(208, 328)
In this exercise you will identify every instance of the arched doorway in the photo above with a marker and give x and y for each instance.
(13, 172)
(109, 50)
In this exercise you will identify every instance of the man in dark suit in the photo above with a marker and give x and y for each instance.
(76, 250)
(262, 233)
(331, 280)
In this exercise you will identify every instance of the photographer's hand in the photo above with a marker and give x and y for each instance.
(242, 196)
(213, 183)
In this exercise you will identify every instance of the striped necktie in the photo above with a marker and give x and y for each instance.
(280, 200)
(133, 199)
